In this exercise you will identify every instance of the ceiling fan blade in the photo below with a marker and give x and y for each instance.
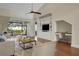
(35, 12)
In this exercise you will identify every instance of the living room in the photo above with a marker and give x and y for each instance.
(33, 27)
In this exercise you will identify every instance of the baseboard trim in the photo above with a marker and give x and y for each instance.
(75, 46)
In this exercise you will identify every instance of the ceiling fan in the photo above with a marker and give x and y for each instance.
(33, 12)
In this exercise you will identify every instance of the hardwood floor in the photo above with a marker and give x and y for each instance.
(64, 49)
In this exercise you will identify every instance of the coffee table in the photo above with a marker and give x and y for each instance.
(24, 44)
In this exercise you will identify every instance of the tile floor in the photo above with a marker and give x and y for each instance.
(41, 49)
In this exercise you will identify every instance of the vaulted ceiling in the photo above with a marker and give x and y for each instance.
(19, 9)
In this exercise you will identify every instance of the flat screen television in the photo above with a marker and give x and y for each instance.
(45, 27)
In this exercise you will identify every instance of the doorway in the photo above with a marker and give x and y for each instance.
(64, 31)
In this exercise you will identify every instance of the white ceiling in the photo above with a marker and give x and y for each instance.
(19, 9)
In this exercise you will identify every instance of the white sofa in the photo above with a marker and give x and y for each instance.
(7, 48)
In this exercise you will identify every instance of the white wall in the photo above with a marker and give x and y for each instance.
(75, 30)
(63, 26)
(3, 23)
(75, 33)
